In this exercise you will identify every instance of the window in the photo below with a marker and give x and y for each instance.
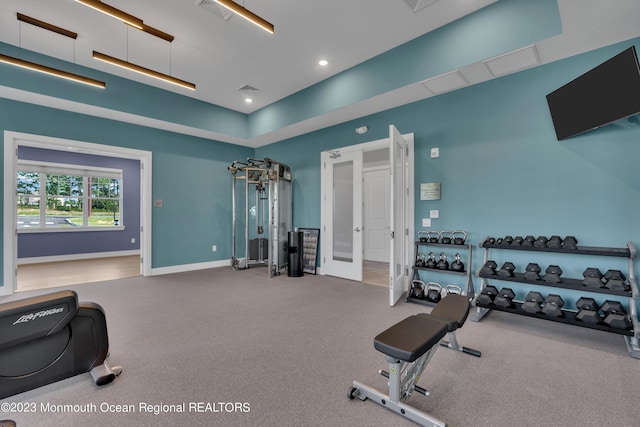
(54, 196)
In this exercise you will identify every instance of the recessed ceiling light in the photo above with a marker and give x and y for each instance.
(248, 100)
(323, 62)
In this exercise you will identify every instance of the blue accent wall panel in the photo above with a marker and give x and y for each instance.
(65, 243)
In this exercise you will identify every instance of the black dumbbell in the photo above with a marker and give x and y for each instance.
(528, 241)
(615, 280)
(553, 306)
(570, 242)
(541, 242)
(442, 264)
(615, 315)
(487, 295)
(588, 310)
(532, 302)
(457, 265)
(532, 271)
(553, 273)
(504, 298)
(417, 289)
(554, 242)
(517, 241)
(507, 240)
(489, 268)
(592, 277)
(506, 270)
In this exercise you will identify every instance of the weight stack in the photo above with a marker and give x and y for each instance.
(295, 252)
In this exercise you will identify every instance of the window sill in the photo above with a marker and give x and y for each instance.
(69, 229)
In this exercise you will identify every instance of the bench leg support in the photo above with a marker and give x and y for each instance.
(364, 392)
(453, 344)
(403, 377)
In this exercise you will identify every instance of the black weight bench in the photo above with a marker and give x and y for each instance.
(48, 338)
(409, 346)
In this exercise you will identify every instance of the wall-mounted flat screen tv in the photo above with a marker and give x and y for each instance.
(609, 92)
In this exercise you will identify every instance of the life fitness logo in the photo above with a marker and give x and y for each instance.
(44, 313)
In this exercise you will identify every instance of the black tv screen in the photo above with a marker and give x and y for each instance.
(609, 92)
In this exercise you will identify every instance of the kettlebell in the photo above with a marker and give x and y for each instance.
(453, 289)
(431, 261)
(420, 260)
(457, 265)
(442, 264)
(434, 290)
(434, 236)
(446, 237)
(457, 239)
(423, 236)
(417, 289)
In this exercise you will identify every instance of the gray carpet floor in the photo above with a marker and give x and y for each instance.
(284, 352)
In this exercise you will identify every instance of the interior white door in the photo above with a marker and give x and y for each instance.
(342, 200)
(376, 214)
(398, 198)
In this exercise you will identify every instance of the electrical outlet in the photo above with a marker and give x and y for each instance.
(214, 248)
(435, 152)
(426, 222)
(434, 213)
(133, 240)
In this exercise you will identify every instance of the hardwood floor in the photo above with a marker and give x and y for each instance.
(66, 273)
(376, 273)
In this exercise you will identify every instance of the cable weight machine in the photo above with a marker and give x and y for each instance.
(261, 189)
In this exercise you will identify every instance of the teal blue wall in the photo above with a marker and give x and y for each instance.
(501, 168)
(189, 175)
(120, 94)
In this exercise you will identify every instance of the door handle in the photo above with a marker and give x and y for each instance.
(357, 229)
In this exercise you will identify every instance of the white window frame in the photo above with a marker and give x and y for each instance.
(44, 168)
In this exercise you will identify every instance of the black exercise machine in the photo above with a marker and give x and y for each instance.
(408, 346)
(48, 338)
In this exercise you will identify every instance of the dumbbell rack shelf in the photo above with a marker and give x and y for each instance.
(631, 335)
(569, 318)
(567, 283)
(467, 288)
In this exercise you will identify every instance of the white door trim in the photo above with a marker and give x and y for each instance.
(12, 140)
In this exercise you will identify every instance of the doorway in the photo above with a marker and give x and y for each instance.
(345, 210)
(13, 140)
(376, 220)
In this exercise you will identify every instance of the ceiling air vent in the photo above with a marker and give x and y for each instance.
(416, 5)
(247, 88)
(216, 8)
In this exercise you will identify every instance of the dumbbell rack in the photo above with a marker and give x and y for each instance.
(631, 335)
(467, 288)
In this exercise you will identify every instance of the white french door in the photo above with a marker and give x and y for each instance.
(342, 207)
(398, 197)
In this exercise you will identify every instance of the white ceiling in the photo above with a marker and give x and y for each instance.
(220, 56)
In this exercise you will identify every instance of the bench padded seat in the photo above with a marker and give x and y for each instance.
(410, 338)
(453, 309)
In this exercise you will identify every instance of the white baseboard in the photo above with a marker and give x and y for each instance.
(190, 267)
(76, 257)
